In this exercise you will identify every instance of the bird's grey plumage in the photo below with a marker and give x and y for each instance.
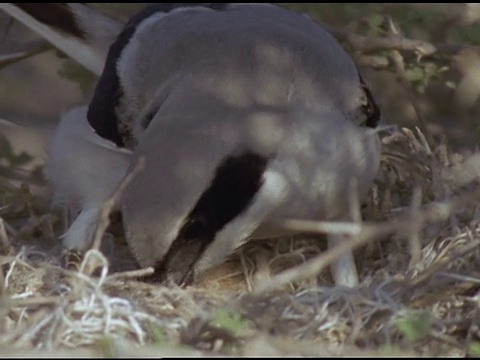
(202, 93)
(86, 169)
(250, 78)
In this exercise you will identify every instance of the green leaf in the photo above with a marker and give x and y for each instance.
(158, 335)
(107, 347)
(375, 20)
(474, 349)
(21, 159)
(414, 324)
(231, 321)
(415, 73)
(466, 34)
(77, 73)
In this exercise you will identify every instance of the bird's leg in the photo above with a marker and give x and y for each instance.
(79, 236)
(344, 270)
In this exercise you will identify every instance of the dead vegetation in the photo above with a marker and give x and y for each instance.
(417, 250)
(418, 254)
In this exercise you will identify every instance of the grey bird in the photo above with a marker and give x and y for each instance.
(246, 115)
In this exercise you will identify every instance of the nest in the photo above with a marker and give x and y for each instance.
(418, 271)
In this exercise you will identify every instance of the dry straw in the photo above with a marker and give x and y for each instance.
(419, 260)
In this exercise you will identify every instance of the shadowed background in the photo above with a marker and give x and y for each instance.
(35, 92)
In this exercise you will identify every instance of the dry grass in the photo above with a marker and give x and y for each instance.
(418, 259)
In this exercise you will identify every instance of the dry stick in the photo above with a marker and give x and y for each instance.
(36, 48)
(312, 267)
(372, 61)
(8, 25)
(131, 273)
(370, 43)
(110, 203)
(415, 227)
(329, 227)
(21, 327)
(368, 233)
(33, 223)
(4, 241)
(461, 277)
(472, 328)
(456, 13)
(397, 42)
(5, 247)
(400, 67)
(10, 124)
(46, 300)
(442, 264)
(2, 284)
(3, 310)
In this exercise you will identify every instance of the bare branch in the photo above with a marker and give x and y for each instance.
(132, 273)
(439, 211)
(109, 204)
(367, 44)
(415, 227)
(369, 233)
(14, 52)
(400, 68)
(460, 13)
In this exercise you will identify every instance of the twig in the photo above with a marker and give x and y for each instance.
(32, 49)
(415, 227)
(400, 68)
(367, 44)
(368, 233)
(10, 124)
(8, 25)
(460, 277)
(2, 286)
(110, 203)
(442, 264)
(370, 43)
(4, 241)
(314, 266)
(373, 61)
(93, 260)
(132, 273)
(327, 227)
(459, 13)
(35, 301)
